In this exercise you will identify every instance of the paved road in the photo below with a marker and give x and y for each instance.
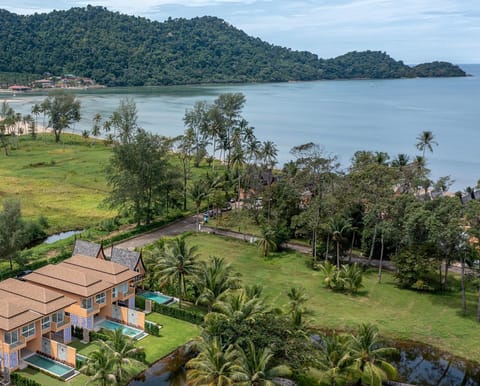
(173, 229)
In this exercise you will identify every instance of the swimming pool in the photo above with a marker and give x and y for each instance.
(157, 297)
(126, 330)
(50, 366)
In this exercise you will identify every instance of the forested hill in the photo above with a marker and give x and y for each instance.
(121, 50)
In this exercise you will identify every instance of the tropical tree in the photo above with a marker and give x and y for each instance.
(266, 243)
(330, 274)
(12, 230)
(124, 353)
(240, 305)
(198, 193)
(296, 308)
(370, 357)
(176, 263)
(255, 366)
(63, 109)
(215, 279)
(100, 367)
(425, 141)
(334, 364)
(337, 227)
(214, 365)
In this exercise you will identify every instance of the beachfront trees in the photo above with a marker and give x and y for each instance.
(426, 140)
(62, 109)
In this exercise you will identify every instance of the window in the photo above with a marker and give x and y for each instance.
(100, 298)
(11, 337)
(114, 292)
(58, 317)
(28, 330)
(46, 323)
(123, 288)
(87, 303)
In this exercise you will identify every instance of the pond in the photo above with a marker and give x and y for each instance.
(417, 364)
(60, 236)
(425, 366)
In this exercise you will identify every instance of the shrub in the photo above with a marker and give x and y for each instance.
(178, 313)
(152, 328)
(20, 380)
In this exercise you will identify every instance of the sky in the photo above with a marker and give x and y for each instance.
(414, 31)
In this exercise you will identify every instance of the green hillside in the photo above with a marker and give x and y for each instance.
(121, 50)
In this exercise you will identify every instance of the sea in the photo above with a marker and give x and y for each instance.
(342, 116)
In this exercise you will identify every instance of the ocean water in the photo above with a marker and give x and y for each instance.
(341, 116)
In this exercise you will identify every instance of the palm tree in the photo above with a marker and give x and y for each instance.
(369, 356)
(198, 192)
(266, 243)
(215, 280)
(352, 277)
(123, 352)
(214, 365)
(255, 366)
(237, 161)
(241, 305)
(297, 298)
(338, 226)
(269, 154)
(100, 366)
(425, 141)
(335, 361)
(177, 262)
(330, 274)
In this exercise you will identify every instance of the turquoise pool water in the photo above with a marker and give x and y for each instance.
(126, 330)
(50, 366)
(157, 297)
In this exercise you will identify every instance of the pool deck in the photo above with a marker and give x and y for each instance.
(66, 376)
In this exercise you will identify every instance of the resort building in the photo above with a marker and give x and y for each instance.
(87, 248)
(101, 290)
(131, 259)
(33, 319)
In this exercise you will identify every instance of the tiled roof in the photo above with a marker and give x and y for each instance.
(86, 248)
(81, 275)
(23, 302)
(125, 257)
(66, 278)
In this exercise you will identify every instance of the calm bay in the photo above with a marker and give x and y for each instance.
(341, 116)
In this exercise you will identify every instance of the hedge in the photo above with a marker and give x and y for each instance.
(19, 380)
(152, 328)
(178, 313)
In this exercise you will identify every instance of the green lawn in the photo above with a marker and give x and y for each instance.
(173, 334)
(401, 314)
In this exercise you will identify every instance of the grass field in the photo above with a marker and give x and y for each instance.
(433, 319)
(63, 182)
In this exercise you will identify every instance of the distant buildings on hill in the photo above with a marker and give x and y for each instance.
(54, 82)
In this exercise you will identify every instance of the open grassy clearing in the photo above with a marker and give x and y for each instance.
(433, 319)
(63, 182)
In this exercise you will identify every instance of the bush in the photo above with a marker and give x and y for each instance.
(77, 332)
(140, 302)
(178, 313)
(152, 328)
(19, 380)
(99, 335)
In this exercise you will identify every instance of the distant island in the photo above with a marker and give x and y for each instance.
(114, 49)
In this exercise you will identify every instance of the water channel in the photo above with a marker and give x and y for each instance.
(416, 364)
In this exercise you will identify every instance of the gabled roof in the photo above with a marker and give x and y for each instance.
(23, 302)
(87, 248)
(81, 275)
(126, 258)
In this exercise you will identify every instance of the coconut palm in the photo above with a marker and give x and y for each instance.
(352, 276)
(198, 193)
(214, 365)
(239, 305)
(100, 366)
(337, 227)
(334, 364)
(425, 141)
(177, 262)
(330, 274)
(215, 280)
(123, 351)
(369, 357)
(255, 366)
(269, 154)
(266, 243)
(297, 299)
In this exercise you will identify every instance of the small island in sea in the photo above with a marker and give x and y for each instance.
(114, 49)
